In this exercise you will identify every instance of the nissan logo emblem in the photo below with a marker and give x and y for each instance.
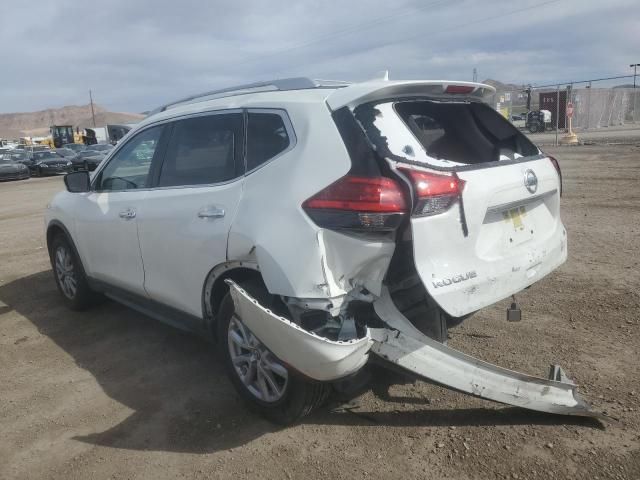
(530, 181)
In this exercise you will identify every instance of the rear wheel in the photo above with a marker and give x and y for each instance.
(69, 275)
(263, 381)
(533, 127)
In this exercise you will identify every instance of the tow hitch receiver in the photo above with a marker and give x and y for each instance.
(403, 345)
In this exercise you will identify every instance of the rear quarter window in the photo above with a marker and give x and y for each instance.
(267, 137)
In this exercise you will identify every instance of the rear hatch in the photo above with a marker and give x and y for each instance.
(496, 238)
(485, 219)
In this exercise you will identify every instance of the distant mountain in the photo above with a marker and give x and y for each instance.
(34, 124)
(503, 87)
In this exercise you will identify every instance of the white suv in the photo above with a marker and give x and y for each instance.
(308, 227)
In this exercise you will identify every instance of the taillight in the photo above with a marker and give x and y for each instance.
(556, 165)
(434, 193)
(460, 89)
(358, 203)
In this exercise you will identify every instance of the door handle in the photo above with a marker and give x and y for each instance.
(128, 213)
(211, 212)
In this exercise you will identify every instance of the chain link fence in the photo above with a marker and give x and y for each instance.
(593, 107)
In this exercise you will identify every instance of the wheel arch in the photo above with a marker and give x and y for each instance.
(215, 287)
(56, 227)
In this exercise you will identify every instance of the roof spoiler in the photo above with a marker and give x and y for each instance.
(365, 92)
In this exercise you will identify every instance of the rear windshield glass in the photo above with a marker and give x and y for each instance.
(458, 133)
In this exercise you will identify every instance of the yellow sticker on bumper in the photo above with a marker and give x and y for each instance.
(515, 216)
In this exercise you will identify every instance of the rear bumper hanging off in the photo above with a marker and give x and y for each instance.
(406, 347)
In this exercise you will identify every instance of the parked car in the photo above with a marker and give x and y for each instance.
(10, 170)
(519, 121)
(76, 147)
(31, 149)
(308, 227)
(539, 121)
(49, 163)
(87, 159)
(4, 151)
(18, 156)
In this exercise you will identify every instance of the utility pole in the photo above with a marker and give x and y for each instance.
(635, 66)
(528, 92)
(475, 74)
(557, 111)
(588, 105)
(93, 115)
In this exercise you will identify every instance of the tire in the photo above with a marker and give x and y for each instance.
(69, 275)
(298, 396)
(533, 127)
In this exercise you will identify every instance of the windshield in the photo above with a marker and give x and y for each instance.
(89, 153)
(45, 155)
(101, 147)
(17, 155)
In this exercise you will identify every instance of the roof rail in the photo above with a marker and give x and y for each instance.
(294, 83)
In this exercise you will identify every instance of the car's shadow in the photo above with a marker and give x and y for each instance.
(176, 387)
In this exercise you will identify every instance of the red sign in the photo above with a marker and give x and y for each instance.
(569, 110)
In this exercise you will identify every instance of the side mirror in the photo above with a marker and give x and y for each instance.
(77, 182)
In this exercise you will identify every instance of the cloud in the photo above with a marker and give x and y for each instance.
(135, 55)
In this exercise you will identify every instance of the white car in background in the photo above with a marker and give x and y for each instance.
(309, 227)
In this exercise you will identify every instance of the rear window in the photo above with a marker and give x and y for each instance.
(458, 133)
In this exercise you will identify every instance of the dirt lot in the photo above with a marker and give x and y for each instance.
(112, 394)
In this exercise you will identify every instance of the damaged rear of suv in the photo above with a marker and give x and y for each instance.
(378, 215)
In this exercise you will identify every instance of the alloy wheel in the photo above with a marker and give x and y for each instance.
(258, 369)
(65, 272)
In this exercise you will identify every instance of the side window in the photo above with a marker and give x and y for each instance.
(203, 150)
(129, 168)
(266, 137)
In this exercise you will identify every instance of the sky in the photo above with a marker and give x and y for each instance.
(137, 54)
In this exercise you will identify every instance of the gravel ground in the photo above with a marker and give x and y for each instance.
(112, 394)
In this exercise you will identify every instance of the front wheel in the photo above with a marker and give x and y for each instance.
(69, 275)
(259, 377)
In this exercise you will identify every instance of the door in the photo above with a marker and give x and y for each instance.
(106, 220)
(185, 220)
